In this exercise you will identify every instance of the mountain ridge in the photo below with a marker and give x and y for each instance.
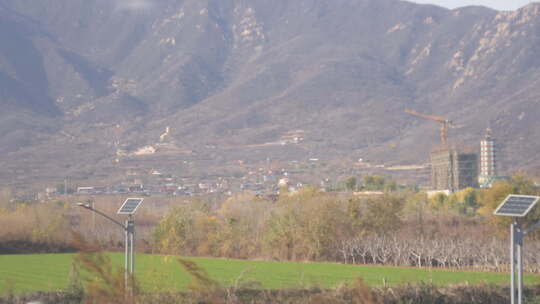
(238, 73)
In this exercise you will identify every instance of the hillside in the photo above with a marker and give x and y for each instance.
(84, 82)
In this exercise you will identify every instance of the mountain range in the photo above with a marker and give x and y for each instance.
(85, 83)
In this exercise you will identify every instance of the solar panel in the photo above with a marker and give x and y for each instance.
(130, 206)
(516, 205)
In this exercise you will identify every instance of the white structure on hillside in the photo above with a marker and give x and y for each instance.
(164, 136)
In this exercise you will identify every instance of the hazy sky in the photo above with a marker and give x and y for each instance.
(496, 4)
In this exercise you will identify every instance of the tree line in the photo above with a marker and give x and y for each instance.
(401, 227)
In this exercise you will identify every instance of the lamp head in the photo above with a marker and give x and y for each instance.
(84, 205)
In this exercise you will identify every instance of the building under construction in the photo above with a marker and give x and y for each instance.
(453, 170)
(450, 169)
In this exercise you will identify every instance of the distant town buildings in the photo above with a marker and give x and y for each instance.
(451, 170)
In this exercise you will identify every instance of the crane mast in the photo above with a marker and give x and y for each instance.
(445, 124)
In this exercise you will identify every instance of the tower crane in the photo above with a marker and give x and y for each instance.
(445, 123)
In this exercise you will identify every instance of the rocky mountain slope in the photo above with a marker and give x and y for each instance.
(82, 82)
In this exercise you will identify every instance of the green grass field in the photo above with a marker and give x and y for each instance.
(47, 272)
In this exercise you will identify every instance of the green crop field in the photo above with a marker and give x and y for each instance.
(46, 272)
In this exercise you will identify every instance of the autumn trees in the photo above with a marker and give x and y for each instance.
(404, 228)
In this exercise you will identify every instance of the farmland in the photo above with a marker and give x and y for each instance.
(48, 272)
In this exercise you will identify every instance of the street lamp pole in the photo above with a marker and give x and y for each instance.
(517, 207)
(129, 229)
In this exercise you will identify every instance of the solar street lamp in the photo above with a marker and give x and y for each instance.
(129, 207)
(517, 207)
